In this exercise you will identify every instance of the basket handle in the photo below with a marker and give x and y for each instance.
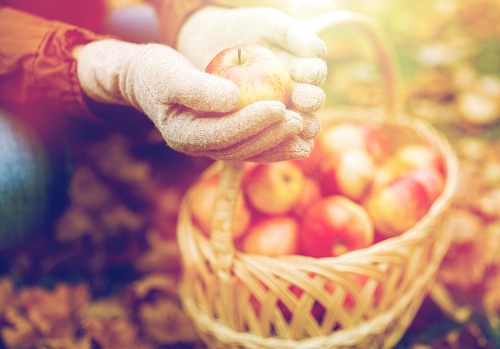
(232, 171)
(226, 194)
(384, 50)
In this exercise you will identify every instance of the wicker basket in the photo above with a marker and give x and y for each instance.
(238, 300)
(219, 288)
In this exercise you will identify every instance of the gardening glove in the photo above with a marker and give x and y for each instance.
(179, 98)
(302, 10)
(212, 29)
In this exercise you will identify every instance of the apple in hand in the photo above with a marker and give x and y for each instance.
(257, 71)
(202, 208)
(398, 206)
(335, 225)
(274, 188)
(272, 236)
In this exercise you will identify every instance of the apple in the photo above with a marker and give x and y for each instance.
(387, 172)
(247, 168)
(416, 155)
(257, 71)
(398, 206)
(310, 194)
(348, 136)
(334, 225)
(432, 180)
(201, 207)
(376, 143)
(272, 236)
(407, 158)
(351, 174)
(342, 137)
(274, 188)
(310, 165)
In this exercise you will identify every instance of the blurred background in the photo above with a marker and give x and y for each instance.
(105, 274)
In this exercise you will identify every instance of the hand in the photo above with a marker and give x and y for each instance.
(177, 97)
(212, 29)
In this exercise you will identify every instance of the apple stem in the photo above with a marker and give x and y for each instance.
(239, 55)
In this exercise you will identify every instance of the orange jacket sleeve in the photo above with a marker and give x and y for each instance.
(36, 66)
(172, 14)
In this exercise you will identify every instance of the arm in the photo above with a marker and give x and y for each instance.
(55, 65)
(37, 65)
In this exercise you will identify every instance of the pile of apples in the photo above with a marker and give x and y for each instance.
(356, 188)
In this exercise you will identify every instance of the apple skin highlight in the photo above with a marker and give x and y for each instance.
(257, 71)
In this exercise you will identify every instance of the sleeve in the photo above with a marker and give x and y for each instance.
(36, 65)
(172, 14)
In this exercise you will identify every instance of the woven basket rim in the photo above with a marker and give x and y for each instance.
(341, 337)
(346, 263)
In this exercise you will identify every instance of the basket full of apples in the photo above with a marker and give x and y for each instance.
(335, 250)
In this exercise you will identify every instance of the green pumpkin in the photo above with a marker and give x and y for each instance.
(27, 183)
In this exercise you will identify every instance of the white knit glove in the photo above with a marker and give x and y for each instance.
(212, 29)
(176, 96)
(302, 10)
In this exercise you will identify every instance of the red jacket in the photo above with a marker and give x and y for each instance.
(37, 36)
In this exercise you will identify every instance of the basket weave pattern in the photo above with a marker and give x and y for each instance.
(249, 301)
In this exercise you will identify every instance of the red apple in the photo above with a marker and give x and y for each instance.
(376, 143)
(417, 155)
(257, 71)
(310, 165)
(387, 172)
(407, 158)
(342, 137)
(335, 225)
(247, 168)
(432, 180)
(347, 136)
(272, 236)
(351, 174)
(397, 206)
(274, 188)
(310, 194)
(202, 208)
(328, 176)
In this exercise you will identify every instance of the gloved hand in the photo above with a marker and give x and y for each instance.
(212, 29)
(176, 96)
